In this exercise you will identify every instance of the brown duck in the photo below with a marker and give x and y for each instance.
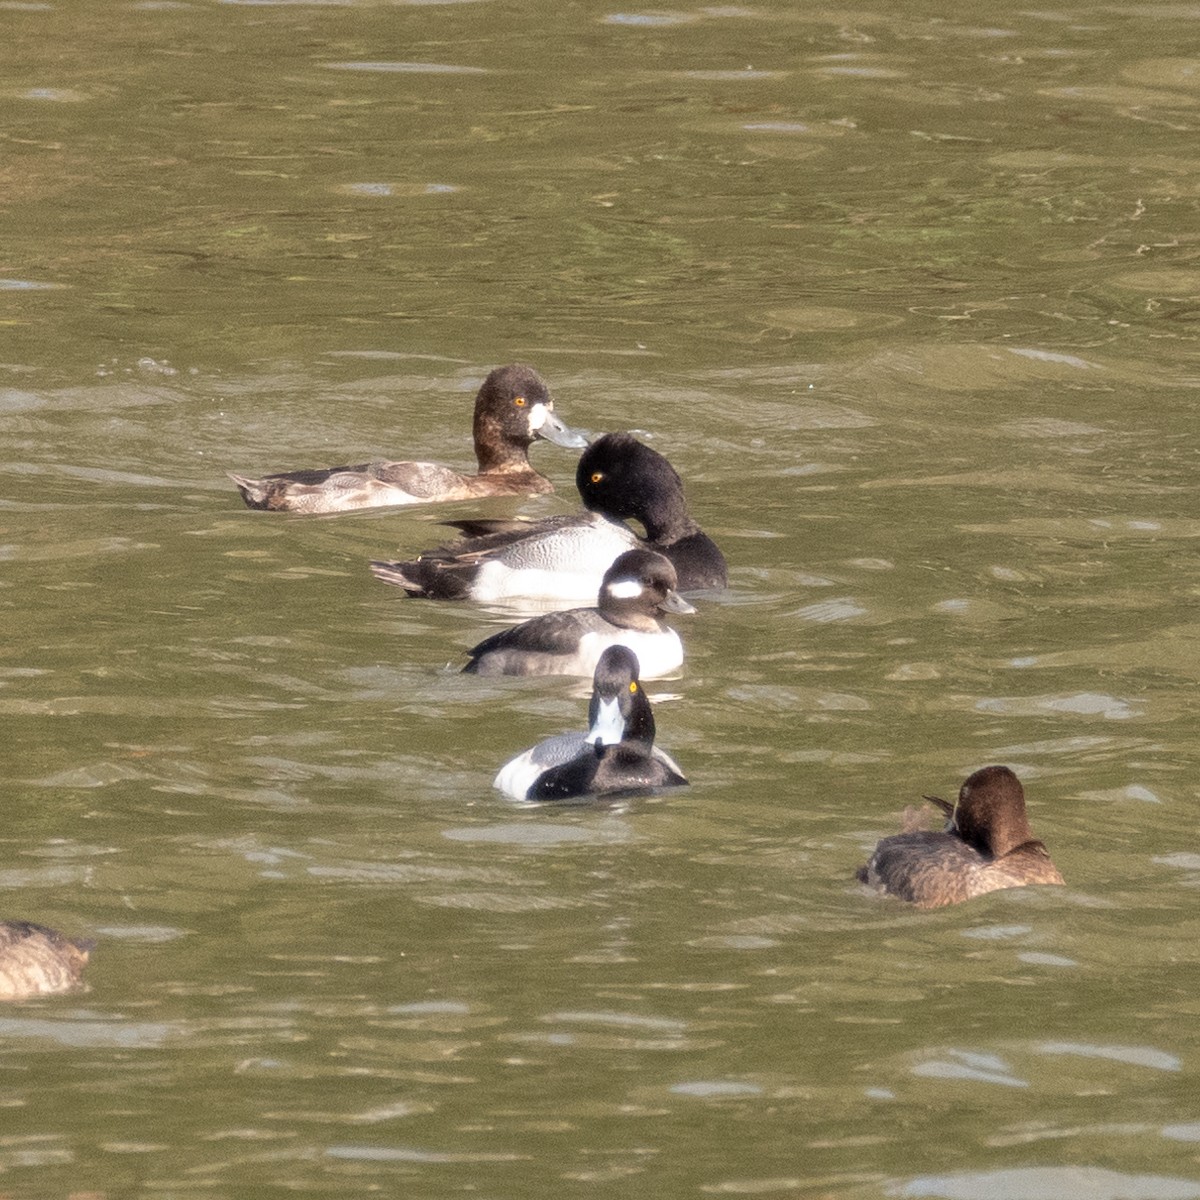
(36, 961)
(987, 845)
(512, 410)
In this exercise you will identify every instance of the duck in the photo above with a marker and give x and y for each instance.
(638, 587)
(564, 557)
(512, 410)
(987, 845)
(37, 961)
(617, 755)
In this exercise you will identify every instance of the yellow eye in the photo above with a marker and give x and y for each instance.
(597, 476)
(520, 401)
(633, 687)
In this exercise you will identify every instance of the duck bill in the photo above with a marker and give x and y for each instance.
(948, 811)
(675, 603)
(608, 726)
(546, 424)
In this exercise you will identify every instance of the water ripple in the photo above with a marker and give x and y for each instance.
(1049, 1183)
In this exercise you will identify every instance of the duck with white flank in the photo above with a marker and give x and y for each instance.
(564, 558)
(636, 590)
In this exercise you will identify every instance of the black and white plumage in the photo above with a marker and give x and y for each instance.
(616, 755)
(564, 557)
(636, 590)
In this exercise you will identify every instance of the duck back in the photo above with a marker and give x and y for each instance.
(36, 961)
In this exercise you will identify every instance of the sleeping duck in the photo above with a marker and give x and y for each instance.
(617, 755)
(512, 410)
(565, 557)
(987, 845)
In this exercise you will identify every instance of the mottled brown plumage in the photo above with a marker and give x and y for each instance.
(987, 845)
(512, 410)
(36, 961)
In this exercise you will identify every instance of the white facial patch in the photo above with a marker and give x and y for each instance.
(609, 725)
(537, 416)
(624, 589)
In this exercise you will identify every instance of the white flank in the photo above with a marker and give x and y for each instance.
(518, 775)
(496, 581)
(657, 653)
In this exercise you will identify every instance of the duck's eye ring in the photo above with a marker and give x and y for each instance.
(597, 476)
(633, 687)
(519, 401)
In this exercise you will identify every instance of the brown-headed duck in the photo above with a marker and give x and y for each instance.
(636, 590)
(512, 410)
(987, 845)
(36, 961)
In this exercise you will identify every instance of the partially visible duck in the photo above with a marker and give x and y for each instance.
(565, 557)
(616, 755)
(987, 845)
(36, 961)
(512, 410)
(635, 591)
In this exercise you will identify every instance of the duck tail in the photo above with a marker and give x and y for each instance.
(396, 573)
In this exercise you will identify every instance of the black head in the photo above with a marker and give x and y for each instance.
(619, 710)
(620, 477)
(641, 582)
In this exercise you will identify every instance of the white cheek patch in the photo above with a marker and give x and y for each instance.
(537, 416)
(624, 589)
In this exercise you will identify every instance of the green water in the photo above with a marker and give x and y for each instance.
(907, 294)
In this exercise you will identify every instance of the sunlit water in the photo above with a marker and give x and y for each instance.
(907, 295)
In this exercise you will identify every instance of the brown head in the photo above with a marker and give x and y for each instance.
(512, 410)
(990, 812)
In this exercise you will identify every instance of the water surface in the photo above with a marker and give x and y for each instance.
(907, 296)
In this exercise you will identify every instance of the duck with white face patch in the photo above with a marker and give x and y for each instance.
(512, 410)
(635, 593)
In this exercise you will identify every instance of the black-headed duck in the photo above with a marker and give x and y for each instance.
(987, 845)
(512, 410)
(617, 755)
(564, 557)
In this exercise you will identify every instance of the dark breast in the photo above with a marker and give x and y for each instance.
(697, 561)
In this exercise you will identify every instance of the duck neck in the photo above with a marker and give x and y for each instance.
(495, 451)
(667, 519)
(639, 724)
(1008, 833)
